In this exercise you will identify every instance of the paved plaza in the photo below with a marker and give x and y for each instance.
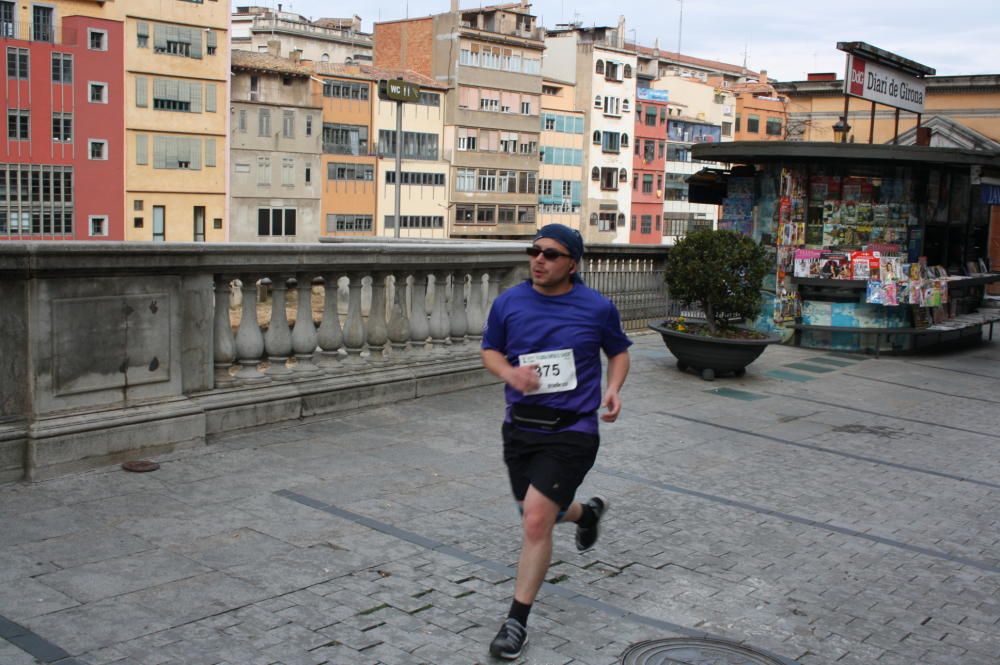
(824, 508)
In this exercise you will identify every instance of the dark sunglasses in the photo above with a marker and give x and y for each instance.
(549, 253)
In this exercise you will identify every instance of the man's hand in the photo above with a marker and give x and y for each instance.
(613, 402)
(523, 379)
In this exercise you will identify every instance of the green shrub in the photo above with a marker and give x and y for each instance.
(720, 271)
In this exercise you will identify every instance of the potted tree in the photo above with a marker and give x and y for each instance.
(719, 272)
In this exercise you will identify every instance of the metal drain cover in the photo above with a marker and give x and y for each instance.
(697, 651)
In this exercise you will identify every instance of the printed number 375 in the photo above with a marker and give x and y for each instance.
(547, 370)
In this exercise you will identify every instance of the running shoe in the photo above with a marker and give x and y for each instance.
(586, 536)
(510, 641)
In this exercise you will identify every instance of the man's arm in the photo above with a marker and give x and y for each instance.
(523, 379)
(618, 366)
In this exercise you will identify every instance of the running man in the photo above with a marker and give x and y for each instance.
(544, 338)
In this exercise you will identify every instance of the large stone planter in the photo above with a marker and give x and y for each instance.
(712, 356)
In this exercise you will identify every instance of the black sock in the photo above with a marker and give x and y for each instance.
(587, 517)
(520, 612)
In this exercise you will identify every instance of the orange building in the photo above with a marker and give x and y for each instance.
(761, 112)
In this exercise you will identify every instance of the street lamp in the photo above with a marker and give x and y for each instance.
(840, 130)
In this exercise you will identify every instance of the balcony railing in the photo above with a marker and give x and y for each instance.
(39, 32)
(272, 23)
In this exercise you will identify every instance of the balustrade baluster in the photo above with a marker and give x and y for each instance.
(304, 333)
(458, 321)
(249, 339)
(354, 329)
(330, 337)
(492, 289)
(278, 338)
(224, 351)
(378, 333)
(475, 314)
(439, 312)
(419, 327)
(399, 324)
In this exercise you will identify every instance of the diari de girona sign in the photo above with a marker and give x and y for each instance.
(884, 85)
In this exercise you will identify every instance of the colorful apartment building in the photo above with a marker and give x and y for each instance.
(490, 59)
(648, 167)
(603, 71)
(275, 184)
(62, 158)
(176, 119)
(348, 144)
(761, 112)
(334, 40)
(560, 172)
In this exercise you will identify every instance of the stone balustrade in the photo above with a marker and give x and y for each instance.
(116, 351)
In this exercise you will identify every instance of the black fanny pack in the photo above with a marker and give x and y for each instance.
(545, 418)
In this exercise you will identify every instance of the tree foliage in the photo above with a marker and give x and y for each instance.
(720, 271)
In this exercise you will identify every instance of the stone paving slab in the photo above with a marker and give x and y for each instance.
(844, 516)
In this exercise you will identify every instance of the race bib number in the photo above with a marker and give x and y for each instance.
(556, 370)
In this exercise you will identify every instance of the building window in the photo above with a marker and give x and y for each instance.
(18, 124)
(62, 127)
(97, 40)
(98, 225)
(309, 125)
(600, 67)
(62, 68)
(628, 71)
(649, 150)
(288, 124)
(417, 178)
(263, 170)
(338, 171)
(605, 221)
(622, 175)
(647, 183)
(465, 180)
(737, 123)
(211, 42)
(17, 63)
(485, 214)
(264, 122)
(288, 171)
(465, 214)
(276, 221)
(142, 34)
(598, 101)
(342, 223)
(753, 124)
(7, 18)
(427, 99)
(138, 222)
(97, 149)
(98, 93)
(345, 90)
(42, 24)
(241, 121)
(36, 199)
(609, 178)
(650, 117)
(178, 152)
(345, 139)
(416, 222)
(646, 224)
(773, 127)
(179, 40)
(613, 71)
(727, 129)
(611, 142)
(416, 145)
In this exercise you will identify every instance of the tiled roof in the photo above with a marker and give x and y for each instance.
(372, 73)
(265, 62)
(691, 60)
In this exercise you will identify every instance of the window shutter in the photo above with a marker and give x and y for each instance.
(173, 90)
(209, 152)
(210, 97)
(194, 90)
(196, 43)
(194, 153)
(171, 152)
(141, 149)
(160, 37)
(142, 29)
(140, 92)
(211, 39)
(159, 89)
(159, 152)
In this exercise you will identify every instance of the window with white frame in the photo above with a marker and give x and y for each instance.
(288, 124)
(97, 40)
(98, 225)
(17, 63)
(465, 180)
(97, 149)
(98, 92)
(263, 170)
(62, 127)
(276, 221)
(62, 68)
(288, 171)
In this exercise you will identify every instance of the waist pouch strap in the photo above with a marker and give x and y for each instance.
(543, 417)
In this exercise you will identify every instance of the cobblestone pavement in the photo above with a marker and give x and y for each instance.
(823, 508)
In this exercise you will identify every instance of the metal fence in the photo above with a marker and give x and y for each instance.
(632, 278)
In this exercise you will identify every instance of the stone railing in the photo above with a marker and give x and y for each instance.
(114, 351)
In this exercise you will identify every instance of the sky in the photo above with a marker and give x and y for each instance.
(788, 38)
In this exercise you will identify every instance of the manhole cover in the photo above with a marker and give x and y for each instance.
(140, 466)
(696, 651)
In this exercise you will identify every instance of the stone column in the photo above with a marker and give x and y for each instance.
(224, 352)
(475, 314)
(439, 312)
(249, 340)
(278, 339)
(458, 322)
(330, 337)
(354, 330)
(399, 324)
(493, 288)
(419, 329)
(377, 328)
(304, 333)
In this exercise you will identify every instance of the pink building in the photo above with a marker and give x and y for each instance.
(648, 166)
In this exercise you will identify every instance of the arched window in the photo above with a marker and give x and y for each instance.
(624, 140)
(600, 67)
(597, 137)
(628, 71)
(593, 219)
(622, 177)
(621, 219)
(625, 106)
(595, 173)
(325, 57)
(597, 102)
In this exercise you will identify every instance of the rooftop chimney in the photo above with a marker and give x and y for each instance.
(763, 76)
(295, 56)
(273, 47)
(454, 6)
(621, 32)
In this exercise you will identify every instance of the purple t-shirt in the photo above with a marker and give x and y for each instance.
(522, 320)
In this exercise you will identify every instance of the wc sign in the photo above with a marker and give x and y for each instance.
(884, 85)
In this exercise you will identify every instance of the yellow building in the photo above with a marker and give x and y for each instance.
(348, 159)
(423, 205)
(560, 172)
(815, 105)
(176, 120)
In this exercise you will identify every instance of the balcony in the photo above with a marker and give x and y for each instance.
(39, 32)
(269, 24)
(114, 351)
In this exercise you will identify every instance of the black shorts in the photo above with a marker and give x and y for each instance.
(554, 462)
